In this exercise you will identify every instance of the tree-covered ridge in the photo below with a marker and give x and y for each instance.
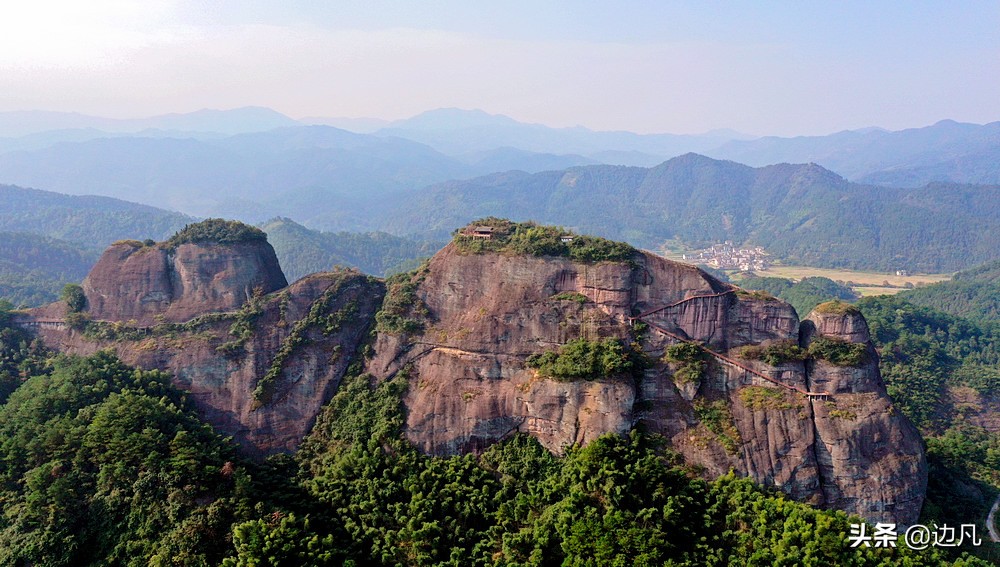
(504, 236)
(33, 268)
(218, 231)
(85, 220)
(103, 464)
(973, 294)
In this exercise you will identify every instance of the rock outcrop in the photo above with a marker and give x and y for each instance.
(143, 284)
(261, 359)
(823, 434)
(870, 459)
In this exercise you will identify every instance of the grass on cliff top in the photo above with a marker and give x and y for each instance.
(528, 238)
(219, 231)
(837, 307)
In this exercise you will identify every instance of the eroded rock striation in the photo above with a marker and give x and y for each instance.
(261, 359)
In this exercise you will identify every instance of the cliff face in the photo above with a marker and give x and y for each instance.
(870, 458)
(470, 385)
(195, 313)
(140, 283)
(260, 366)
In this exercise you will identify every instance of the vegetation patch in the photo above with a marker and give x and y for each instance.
(527, 238)
(774, 353)
(74, 298)
(837, 307)
(719, 420)
(243, 324)
(570, 296)
(402, 310)
(218, 231)
(757, 294)
(764, 398)
(838, 351)
(581, 359)
(843, 414)
(112, 331)
(690, 362)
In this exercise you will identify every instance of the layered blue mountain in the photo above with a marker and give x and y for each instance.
(946, 151)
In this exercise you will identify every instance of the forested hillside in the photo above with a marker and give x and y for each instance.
(34, 268)
(802, 214)
(973, 294)
(91, 221)
(303, 251)
(109, 463)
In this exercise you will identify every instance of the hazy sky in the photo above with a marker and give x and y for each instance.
(759, 67)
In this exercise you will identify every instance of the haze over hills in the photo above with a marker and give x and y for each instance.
(331, 179)
(945, 151)
(90, 221)
(454, 131)
(233, 121)
(322, 176)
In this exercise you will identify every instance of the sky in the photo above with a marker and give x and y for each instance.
(763, 67)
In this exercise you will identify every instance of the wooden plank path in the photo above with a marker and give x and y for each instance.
(726, 360)
(685, 300)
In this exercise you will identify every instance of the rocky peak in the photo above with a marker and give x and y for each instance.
(837, 320)
(195, 272)
(870, 458)
(822, 432)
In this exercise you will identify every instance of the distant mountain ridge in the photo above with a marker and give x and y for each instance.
(455, 131)
(322, 176)
(802, 213)
(945, 151)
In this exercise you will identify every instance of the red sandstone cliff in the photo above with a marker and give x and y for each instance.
(217, 317)
(483, 315)
(470, 386)
(138, 283)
